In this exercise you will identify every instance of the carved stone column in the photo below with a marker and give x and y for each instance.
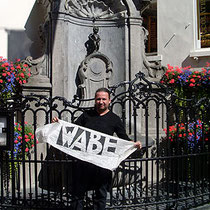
(38, 30)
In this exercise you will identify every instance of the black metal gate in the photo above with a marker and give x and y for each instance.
(170, 172)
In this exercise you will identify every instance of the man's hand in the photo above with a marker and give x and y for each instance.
(55, 119)
(138, 145)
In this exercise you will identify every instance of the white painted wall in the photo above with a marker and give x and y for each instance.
(175, 30)
(177, 38)
(13, 16)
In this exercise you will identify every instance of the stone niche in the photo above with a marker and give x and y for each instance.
(117, 58)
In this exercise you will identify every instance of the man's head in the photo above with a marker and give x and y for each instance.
(102, 100)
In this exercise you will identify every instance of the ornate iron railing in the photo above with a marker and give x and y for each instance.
(169, 172)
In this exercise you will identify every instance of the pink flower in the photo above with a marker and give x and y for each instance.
(26, 149)
(16, 141)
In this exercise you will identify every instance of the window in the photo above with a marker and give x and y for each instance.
(149, 14)
(204, 22)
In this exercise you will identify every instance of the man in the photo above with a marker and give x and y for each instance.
(87, 176)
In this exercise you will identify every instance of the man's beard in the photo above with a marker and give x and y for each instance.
(100, 109)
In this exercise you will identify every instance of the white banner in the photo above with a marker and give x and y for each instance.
(85, 144)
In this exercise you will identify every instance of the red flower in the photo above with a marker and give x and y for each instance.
(22, 75)
(191, 85)
(171, 81)
(192, 80)
(27, 140)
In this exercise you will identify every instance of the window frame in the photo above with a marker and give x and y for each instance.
(198, 27)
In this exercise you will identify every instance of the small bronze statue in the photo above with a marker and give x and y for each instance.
(93, 42)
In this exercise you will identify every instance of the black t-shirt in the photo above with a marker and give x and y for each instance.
(109, 123)
(87, 176)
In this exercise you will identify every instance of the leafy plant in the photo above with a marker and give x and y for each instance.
(18, 140)
(21, 149)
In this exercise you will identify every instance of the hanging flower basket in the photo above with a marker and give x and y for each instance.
(12, 76)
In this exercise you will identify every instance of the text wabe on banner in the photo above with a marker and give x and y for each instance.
(85, 144)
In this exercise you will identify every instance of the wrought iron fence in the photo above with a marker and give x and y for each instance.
(171, 171)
